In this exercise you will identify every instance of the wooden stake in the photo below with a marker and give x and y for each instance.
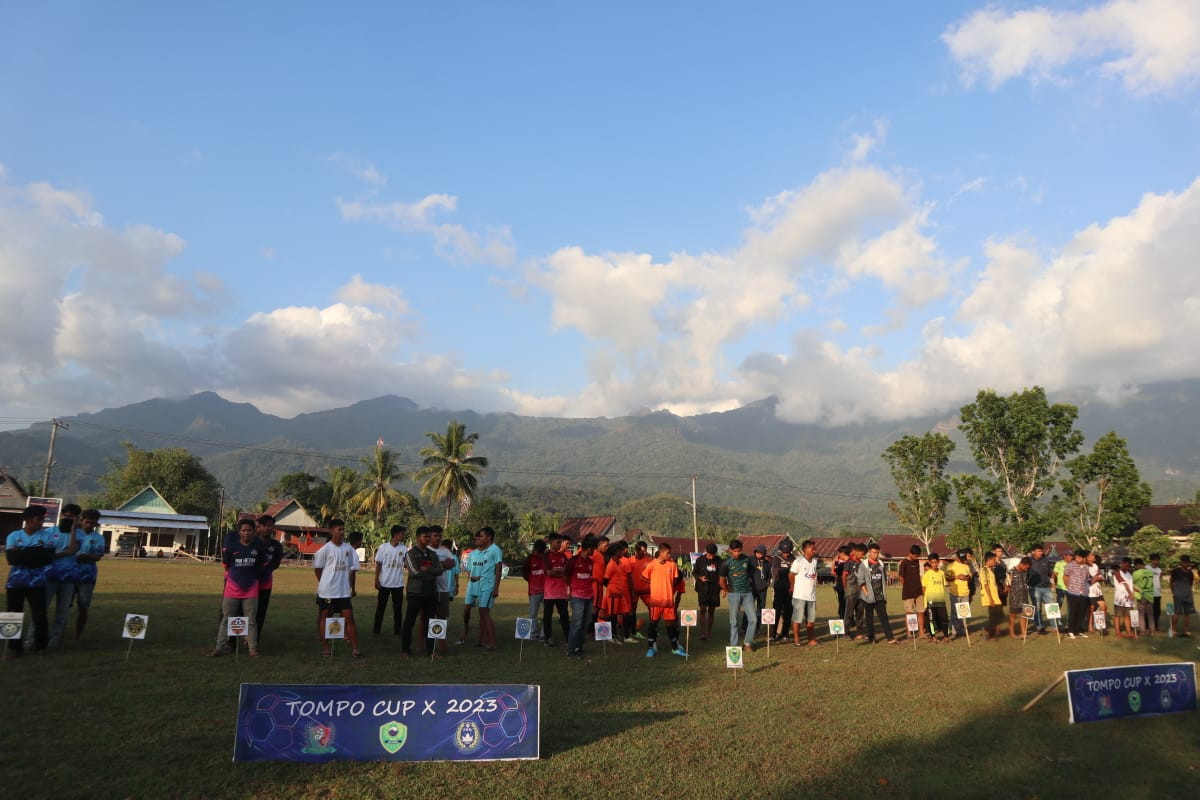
(1044, 692)
(130, 650)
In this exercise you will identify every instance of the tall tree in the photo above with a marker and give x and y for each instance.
(1102, 493)
(1019, 442)
(918, 465)
(1150, 540)
(178, 475)
(344, 483)
(378, 495)
(308, 490)
(979, 527)
(450, 472)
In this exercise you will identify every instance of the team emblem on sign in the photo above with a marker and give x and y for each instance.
(318, 739)
(687, 618)
(393, 735)
(1135, 701)
(437, 629)
(466, 737)
(135, 626)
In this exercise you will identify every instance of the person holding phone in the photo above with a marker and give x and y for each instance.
(60, 576)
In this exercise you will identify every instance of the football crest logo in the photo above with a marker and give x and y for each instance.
(318, 739)
(393, 735)
(466, 737)
(135, 626)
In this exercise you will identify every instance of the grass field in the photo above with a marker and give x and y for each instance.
(937, 721)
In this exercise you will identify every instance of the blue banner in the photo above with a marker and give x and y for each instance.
(1142, 690)
(391, 722)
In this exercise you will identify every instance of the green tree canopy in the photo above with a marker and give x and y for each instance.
(1102, 493)
(1019, 442)
(497, 514)
(918, 465)
(178, 475)
(449, 471)
(378, 496)
(1150, 540)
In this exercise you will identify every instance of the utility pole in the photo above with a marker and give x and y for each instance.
(695, 527)
(221, 515)
(55, 424)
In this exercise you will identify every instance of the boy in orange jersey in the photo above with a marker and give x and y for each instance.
(640, 585)
(663, 576)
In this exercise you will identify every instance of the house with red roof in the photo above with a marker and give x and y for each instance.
(575, 528)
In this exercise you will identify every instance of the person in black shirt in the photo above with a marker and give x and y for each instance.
(708, 588)
(781, 566)
(265, 528)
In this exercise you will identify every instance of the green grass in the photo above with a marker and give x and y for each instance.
(937, 721)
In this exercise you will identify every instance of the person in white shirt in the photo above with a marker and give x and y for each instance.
(1095, 592)
(389, 579)
(1123, 598)
(336, 564)
(803, 578)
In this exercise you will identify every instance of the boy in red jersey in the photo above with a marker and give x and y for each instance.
(555, 596)
(582, 585)
(534, 573)
(665, 590)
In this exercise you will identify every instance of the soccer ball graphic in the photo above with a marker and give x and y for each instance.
(273, 730)
(504, 726)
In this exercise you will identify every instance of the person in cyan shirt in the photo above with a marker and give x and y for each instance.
(91, 550)
(29, 551)
(60, 575)
(244, 562)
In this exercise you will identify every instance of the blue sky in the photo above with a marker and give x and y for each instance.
(869, 211)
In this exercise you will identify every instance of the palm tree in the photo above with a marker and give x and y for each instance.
(344, 484)
(450, 472)
(377, 496)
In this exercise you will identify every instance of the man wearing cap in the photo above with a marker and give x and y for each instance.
(708, 588)
(738, 585)
(29, 550)
(781, 565)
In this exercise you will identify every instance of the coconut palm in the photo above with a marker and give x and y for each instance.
(450, 472)
(377, 497)
(344, 484)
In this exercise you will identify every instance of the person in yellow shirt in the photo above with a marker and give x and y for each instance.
(989, 592)
(933, 582)
(958, 590)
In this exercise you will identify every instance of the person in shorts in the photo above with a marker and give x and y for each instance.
(802, 582)
(336, 566)
(708, 588)
(663, 601)
(484, 566)
(911, 591)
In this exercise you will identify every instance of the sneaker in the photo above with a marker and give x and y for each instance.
(1083, 636)
(641, 637)
(1071, 635)
(572, 654)
(679, 651)
(650, 653)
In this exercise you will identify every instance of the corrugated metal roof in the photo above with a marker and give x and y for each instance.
(575, 528)
(146, 519)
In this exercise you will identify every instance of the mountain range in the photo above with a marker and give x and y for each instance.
(747, 458)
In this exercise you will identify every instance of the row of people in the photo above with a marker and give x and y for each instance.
(52, 566)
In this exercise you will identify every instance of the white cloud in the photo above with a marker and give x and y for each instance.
(91, 300)
(492, 246)
(660, 328)
(373, 295)
(1114, 307)
(359, 168)
(1149, 45)
(866, 143)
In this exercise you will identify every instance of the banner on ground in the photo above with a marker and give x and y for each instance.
(1141, 690)
(397, 722)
